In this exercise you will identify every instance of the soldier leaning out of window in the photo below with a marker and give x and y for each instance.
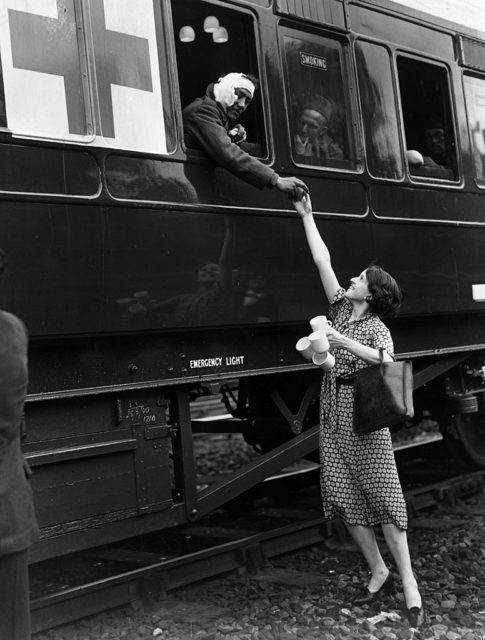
(210, 124)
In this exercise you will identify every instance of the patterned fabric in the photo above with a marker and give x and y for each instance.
(358, 479)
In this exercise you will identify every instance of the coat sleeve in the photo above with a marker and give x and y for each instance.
(204, 125)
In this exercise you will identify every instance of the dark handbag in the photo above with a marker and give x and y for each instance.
(383, 395)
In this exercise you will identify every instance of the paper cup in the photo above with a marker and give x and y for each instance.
(304, 346)
(320, 323)
(324, 360)
(319, 341)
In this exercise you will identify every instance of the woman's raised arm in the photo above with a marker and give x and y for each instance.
(318, 248)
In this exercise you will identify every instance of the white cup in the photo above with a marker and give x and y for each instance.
(319, 341)
(324, 360)
(320, 323)
(304, 347)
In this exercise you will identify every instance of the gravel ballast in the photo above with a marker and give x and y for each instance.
(307, 594)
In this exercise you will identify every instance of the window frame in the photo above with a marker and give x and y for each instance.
(450, 121)
(91, 138)
(479, 182)
(196, 155)
(354, 164)
(395, 92)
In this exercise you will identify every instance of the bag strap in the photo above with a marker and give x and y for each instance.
(381, 355)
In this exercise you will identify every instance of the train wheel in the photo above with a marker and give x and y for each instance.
(465, 435)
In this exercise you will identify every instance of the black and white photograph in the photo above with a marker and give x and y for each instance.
(242, 320)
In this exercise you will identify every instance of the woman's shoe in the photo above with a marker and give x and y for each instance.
(372, 596)
(415, 617)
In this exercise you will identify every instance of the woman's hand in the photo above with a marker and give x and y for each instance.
(303, 206)
(335, 338)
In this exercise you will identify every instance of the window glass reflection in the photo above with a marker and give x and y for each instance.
(379, 113)
(319, 113)
(475, 105)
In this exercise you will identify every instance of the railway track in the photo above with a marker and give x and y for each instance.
(240, 537)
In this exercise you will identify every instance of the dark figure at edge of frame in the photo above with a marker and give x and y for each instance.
(210, 125)
(18, 525)
(359, 480)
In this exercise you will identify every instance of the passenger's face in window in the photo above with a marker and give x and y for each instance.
(243, 100)
(310, 124)
(435, 140)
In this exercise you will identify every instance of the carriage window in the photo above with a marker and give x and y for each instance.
(90, 76)
(3, 113)
(379, 113)
(320, 121)
(475, 105)
(428, 125)
(224, 40)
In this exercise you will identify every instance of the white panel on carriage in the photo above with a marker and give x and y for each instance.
(96, 83)
(478, 292)
(129, 105)
(42, 70)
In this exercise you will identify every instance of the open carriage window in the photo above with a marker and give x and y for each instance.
(211, 41)
(320, 122)
(475, 106)
(428, 123)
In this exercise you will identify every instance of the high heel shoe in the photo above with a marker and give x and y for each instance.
(372, 596)
(415, 617)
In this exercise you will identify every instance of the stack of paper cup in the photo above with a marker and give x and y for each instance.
(315, 346)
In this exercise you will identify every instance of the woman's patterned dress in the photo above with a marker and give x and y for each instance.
(359, 480)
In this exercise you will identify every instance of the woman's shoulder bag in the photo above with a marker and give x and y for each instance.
(383, 395)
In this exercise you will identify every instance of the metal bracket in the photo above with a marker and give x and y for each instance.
(295, 420)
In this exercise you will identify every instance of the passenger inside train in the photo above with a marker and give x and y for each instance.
(432, 162)
(319, 110)
(312, 138)
(428, 121)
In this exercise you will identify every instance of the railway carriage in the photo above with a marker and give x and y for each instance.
(148, 277)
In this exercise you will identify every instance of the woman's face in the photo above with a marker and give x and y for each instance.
(359, 287)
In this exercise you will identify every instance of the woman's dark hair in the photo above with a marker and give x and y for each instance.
(385, 294)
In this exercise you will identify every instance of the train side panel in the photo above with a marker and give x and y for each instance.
(147, 276)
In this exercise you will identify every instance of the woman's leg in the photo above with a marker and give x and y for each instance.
(365, 539)
(397, 542)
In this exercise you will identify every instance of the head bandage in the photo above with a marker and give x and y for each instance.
(224, 89)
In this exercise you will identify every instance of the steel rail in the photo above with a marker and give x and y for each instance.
(247, 552)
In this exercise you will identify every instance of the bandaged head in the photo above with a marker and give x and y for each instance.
(224, 89)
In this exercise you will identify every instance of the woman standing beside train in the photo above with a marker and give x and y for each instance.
(359, 480)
